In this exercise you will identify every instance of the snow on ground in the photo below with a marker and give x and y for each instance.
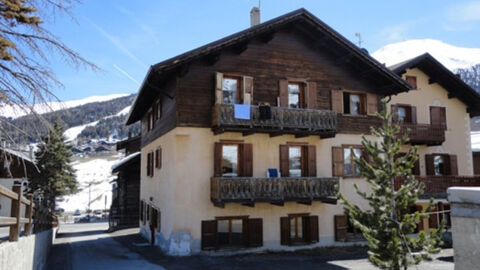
(452, 57)
(16, 111)
(73, 132)
(125, 110)
(94, 171)
(475, 137)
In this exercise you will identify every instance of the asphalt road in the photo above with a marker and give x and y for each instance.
(89, 246)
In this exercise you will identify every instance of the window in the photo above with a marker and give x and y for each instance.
(158, 158)
(296, 95)
(230, 160)
(295, 161)
(412, 80)
(353, 103)
(439, 165)
(150, 159)
(350, 167)
(298, 229)
(158, 109)
(230, 232)
(149, 121)
(298, 160)
(231, 90)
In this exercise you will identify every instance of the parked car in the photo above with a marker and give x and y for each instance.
(85, 219)
(77, 212)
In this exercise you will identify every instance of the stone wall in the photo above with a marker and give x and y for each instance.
(465, 207)
(29, 253)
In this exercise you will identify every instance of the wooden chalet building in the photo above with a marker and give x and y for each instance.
(125, 209)
(246, 140)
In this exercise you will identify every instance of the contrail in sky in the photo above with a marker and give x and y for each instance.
(126, 74)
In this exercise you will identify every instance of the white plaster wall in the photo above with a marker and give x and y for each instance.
(457, 135)
(182, 192)
(29, 252)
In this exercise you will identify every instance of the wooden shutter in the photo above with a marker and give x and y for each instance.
(372, 104)
(340, 228)
(337, 161)
(255, 232)
(284, 161)
(217, 160)
(247, 160)
(394, 113)
(430, 169)
(413, 114)
(420, 224)
(311, 231)
(453, 167)
(209, 234)
(284, 231)
(311, 95)
(247, 90)
(416, 168)
(432, 220)
(153, 219)
(438, 116)
(218, 88)
(311, 160)
(283, 93)
(151, 163)
(337, 101)
(158, 158)
(141, 211)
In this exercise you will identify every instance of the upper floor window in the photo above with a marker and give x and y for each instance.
(412, 80)
(150, 121)
(231, 90)
(296, 95)
(439, 165)
(232, 159)
(295, 161)
(404, 114)
(158, 109)
(298, 160)
(353, 103)
(349, 155)
(150, 160)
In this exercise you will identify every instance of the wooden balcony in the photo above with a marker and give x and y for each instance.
(300, 122)
(249, 190)
(436, 186)
(424, 134)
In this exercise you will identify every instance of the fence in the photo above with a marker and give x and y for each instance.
(40, 219)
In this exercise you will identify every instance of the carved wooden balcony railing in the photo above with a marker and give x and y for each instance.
(436, 186)
(248, 190)
(283, 121)
(424, 133)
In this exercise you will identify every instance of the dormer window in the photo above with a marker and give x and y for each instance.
(231, 90)
(412, 80)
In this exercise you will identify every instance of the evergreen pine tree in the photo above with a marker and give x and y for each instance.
(388, 224)
(56, 177)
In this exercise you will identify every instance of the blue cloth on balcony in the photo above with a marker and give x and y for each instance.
(241, 111)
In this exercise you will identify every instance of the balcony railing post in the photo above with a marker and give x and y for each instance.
(15, 211)
(28, 214)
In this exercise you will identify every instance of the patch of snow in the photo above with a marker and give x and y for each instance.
(475, 138)
(73, 132)
(124, 160)
(125, 110)
(96, 173)
(452, 57)
(16, 111)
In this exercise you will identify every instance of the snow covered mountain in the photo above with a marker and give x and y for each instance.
(453, 57)
(16, 111)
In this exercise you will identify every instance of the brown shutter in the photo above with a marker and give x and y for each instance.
(217, 160)
(394, 113)
(153, 220)
(158, 158)
(247, 90)
(283, 93)
(337, 161)
(311, 161)
(438, 116)
(443, 117)
(255, 232)
(311, 95)
(416, 168)
(337, 101)
(284, 161)
(312, 229)
(414, 114)
(432, 220)
(247, 160)
(340, 228)
(372, 105)
(218, 88)
(430, 169)
(420, 224)
(452, 160)
(141, 210)
(209, 234)
(285, 231)
(151, 163)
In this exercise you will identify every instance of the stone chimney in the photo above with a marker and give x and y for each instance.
(254, 16)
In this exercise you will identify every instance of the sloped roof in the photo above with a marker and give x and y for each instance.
(438, 73)
(319, 30)
(117, 166)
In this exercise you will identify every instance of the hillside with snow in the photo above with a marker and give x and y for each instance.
(453, 57)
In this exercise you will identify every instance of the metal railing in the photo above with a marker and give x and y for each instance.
(424, 133)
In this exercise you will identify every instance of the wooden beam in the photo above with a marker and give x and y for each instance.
(432, 80)
(277, 203)
(267, 37)
(217, 131)
(249, 204)
(219, 204)
(247, 133)
(451, 95)
(305, 202)
(275, 134)
(213, 58)
(241, 47)
(301, 135)
(183, 70)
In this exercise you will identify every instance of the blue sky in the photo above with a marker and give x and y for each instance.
(125, 37)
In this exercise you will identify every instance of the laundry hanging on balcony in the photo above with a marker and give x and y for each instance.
(241, 111)
(265, 111)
